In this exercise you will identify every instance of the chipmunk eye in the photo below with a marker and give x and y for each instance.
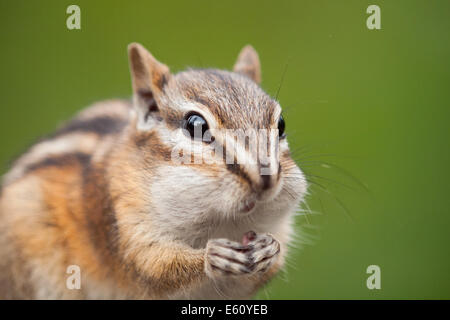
(196, 124)
(281, 127)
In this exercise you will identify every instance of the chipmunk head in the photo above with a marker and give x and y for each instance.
(214, 141)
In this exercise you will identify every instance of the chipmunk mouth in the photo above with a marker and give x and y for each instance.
(249, 205)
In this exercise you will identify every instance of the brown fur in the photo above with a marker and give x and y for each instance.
(66, 202)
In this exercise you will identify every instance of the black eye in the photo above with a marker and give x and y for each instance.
(196, 125)
(281, 127)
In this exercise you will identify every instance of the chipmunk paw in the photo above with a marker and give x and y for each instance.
(256, 253)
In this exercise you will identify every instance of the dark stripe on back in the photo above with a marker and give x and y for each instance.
(99, 212)
(100, 125)
(60, 161)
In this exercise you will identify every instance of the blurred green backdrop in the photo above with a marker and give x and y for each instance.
(372, 102)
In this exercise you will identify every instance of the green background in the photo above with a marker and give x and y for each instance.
(367, 114)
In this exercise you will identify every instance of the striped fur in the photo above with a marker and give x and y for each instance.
(103, 193)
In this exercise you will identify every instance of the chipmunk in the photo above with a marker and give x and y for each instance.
(103, 193)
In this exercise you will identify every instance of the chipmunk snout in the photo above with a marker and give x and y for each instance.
(253, 155)
(266, 182)
(269, 177)
(262, 179)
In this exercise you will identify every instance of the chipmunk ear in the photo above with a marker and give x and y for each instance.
(248, 64)
(149, 76)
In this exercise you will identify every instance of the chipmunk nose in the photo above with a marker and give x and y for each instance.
(266, 182)
(269, 176)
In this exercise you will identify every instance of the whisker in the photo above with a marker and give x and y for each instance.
(282, 79)
(338, 201)
(329, 180)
